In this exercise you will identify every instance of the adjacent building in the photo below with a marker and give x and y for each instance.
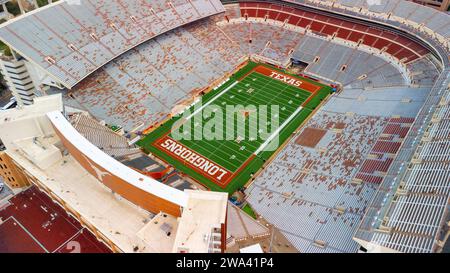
(442, 5)
(125, 209)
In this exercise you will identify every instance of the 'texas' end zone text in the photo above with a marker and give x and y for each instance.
(287, 79)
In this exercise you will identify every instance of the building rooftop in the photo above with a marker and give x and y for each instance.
(202, 215)
(50, 229)
(160, 232)
(36, 148)
(115, 218)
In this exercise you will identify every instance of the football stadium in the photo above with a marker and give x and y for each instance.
(233, 126)
(238, 160)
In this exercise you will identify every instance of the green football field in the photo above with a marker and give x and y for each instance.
(255, 89)
(238, 152)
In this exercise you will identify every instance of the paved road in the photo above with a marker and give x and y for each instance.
(5, 96)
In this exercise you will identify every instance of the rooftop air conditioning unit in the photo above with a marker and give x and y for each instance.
(94, 36)
(416, 160)
(401, 192)
(435, 119)
(340, 209)
(50, 60)
(384, 229)
(305, 171)
(113, 26)
(288, 195)
(72, 47)
(356, 181)
(320, 243)
(362, 77)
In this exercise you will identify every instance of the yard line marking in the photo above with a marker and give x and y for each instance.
(281, 90)
(250, 97)
(277, 131)
(255, 88)
(209, 102)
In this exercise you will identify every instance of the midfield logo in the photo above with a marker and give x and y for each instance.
(229, 122)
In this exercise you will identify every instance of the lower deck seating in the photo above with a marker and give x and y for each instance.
(141, 87)
(101, 136)
(308, 193)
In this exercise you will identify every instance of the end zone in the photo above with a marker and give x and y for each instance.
(307, 86)
(194, 160)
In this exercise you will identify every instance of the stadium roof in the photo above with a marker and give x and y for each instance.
(71, 39)
(36, 146)
(410, 209)
(112, 166)
(411, 205)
